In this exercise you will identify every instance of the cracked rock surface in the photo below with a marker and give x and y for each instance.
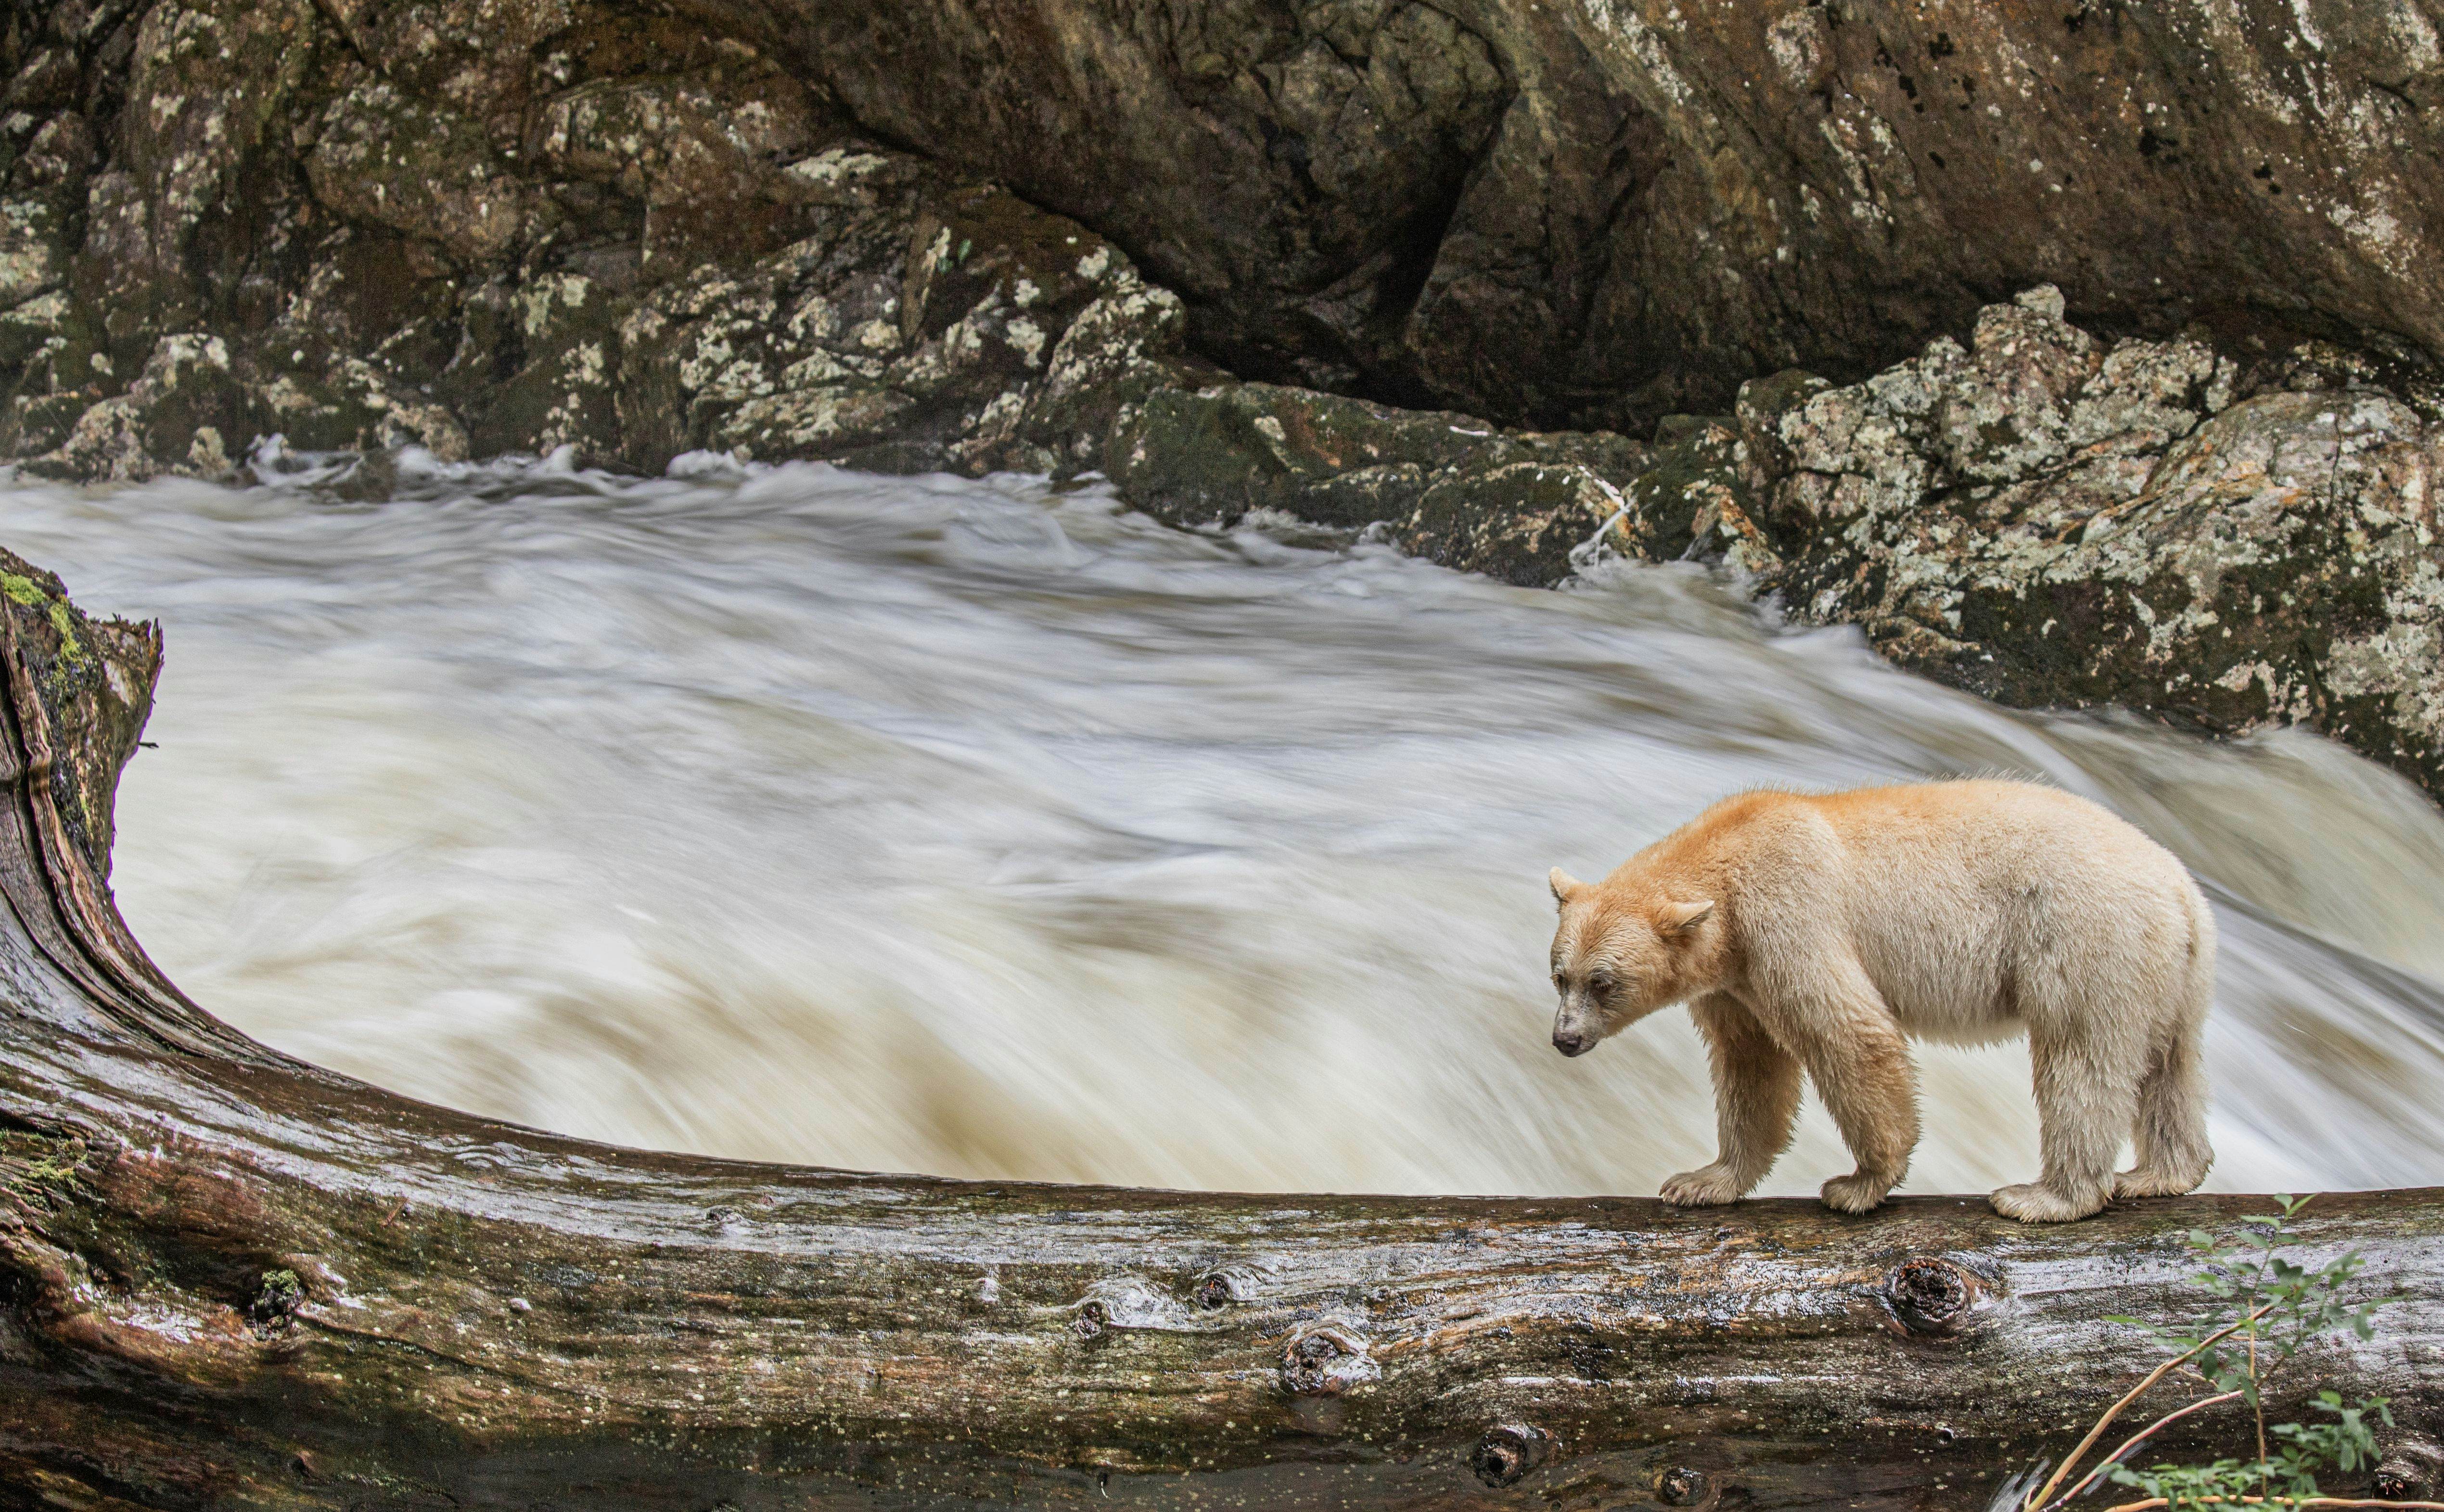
(1503, 283)
(509, 227)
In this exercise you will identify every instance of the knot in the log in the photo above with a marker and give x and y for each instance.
(274, 1308)
(2411, 1469)
(1509, 1452)
(1680, 1486)
(1930, 1295)
(1325, 1362)
(1092, 1318)
(1220, 1288)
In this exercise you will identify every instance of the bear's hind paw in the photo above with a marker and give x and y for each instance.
(2145, 1183)
(2036, 1203)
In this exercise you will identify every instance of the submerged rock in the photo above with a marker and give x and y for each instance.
(1450, 486)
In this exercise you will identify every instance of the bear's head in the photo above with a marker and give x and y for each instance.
(1619, 953)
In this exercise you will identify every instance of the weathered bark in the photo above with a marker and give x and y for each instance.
(229, 1279)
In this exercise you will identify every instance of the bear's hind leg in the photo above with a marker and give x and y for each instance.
(2170, 1132)
(2084, 1088)
(2171, 1129)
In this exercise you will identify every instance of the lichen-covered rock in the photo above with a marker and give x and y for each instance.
(673, 252)
(2052, 520)
(914, 328)
(1587, 213)
(183, 412)
(1449, 486)
(701, 144)
(1215, 453)
(564, 328)
(31, 259)
(195, 180)
(1594, 212)
(1118, 355)
(384, 157)
(489, 226)
(2280, 565)
(1510, 516)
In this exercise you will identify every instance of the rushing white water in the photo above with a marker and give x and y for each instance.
(961, 827)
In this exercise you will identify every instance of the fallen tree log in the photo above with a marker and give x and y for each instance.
(229, 1279)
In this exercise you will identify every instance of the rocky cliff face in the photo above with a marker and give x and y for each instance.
(1592, 212)
(1503, 279)
(511, 227)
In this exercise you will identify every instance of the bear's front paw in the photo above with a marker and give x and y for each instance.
(2036, 1203)
(1856, 1192)
(1706, 1187)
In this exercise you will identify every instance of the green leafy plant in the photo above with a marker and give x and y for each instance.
(2273, 1308)
(2288, 1477)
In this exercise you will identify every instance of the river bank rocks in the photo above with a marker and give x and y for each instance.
(2049, 519)
(507, 228)
(2228, 538)
(1449, 486)
(1583, 215)
(1589, 213)
(1510, 285)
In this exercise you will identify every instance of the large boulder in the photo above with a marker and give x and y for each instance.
(2052, 520)
(1582, 214)
(504, 226)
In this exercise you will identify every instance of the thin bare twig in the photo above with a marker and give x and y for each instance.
(2045, 1492)
(2138, 1438)
(2257, 1404)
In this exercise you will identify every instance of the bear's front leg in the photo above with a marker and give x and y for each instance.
(1757, 1105)
(1862, 1070)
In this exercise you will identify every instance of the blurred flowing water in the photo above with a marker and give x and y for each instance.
(962, 827)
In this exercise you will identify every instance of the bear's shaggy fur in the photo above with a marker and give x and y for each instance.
(1815, 932)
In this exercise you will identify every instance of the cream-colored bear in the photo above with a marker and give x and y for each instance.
(1816, 931)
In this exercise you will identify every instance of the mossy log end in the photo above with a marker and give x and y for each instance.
(228, 1279)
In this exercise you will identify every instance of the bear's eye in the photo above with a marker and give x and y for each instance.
(1599, 983)
(1561, 983)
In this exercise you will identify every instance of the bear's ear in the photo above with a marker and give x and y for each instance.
(1564, 886)
(1679, 918)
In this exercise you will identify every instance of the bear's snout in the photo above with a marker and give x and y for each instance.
(1572, 1042)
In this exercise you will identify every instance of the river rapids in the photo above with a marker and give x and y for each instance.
(976, 828)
